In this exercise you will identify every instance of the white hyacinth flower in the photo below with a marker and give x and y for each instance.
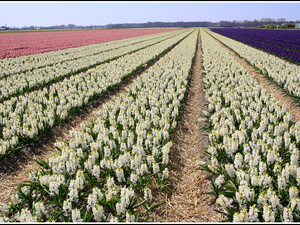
(241, 216)
(113, 219)
(76, 217)
(230, 169)
(238, 161)
(26, 216)
(4, 219)
(288, 215)
(67, 207)
(121, 208)
(165, 173)
(98, 212)
(96, 171)
(293, 192)
(120, 174)
(147, 194)
(129, 217)
(268, 214)
(220, 180)
(73, 194)
(253, 214)
(134, 178)
(110, 182)
(39, 209)
(224, 202)
(15, 199)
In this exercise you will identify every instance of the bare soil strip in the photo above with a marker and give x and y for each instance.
(17, 167)
(184, 197)
(269, 85)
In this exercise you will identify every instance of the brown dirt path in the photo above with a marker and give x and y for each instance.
(269, 85)
(184, 198)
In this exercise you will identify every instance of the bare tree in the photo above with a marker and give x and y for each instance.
(281, 20)
(267, 20)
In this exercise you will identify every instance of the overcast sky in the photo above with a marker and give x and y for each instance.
(47, 13)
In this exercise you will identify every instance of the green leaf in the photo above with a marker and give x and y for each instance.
(137, 216)
(215, 186)
(210, 193)
(138, 205)
(42, 163)
(226, 193)
(145, 219)
(223, 213)
(163, 187)
(156, 205)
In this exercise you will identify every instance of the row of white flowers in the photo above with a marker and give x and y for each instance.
(253, 145)
(37, 78)
(25, 118)
(283, 73)
(106, 170)
(20, 64)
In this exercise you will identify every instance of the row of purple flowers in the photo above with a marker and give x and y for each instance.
(283, 43)
(281, 38)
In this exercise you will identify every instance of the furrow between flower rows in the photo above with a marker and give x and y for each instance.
(105, 172)
(18, 84)
(25, 119)
(286, 75)
(253, 144)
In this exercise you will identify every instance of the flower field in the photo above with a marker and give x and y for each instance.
(107, 169)
(26, 43)
(26, 118)
(253, 143)
(120, 152)
(283, 43)
(284, 74)
(17, 83)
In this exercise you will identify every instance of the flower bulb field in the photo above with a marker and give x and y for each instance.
(283, 43)
(150, 125)
(26, 43)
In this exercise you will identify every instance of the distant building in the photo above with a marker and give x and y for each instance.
(297, 25)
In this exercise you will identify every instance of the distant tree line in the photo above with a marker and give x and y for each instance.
(262, 23)
(161, 24)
